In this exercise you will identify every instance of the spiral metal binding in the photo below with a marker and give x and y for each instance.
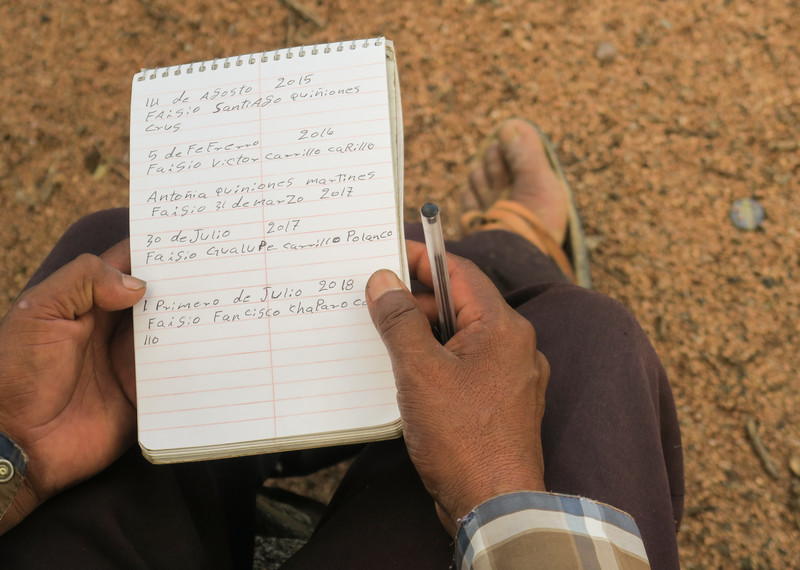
(253, 58)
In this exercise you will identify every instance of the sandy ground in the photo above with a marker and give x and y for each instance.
(664, 114)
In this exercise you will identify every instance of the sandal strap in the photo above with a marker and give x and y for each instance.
(514, 217)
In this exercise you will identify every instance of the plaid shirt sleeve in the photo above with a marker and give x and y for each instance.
(544, 530)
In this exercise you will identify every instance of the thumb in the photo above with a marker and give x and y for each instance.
(83, 283)
(403, 326)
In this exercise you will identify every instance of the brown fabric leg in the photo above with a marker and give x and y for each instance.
(94, 234)
(610, 430)
(509, 261)
(142, 516)
(380, 517)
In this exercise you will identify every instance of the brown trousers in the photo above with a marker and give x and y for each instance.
(610, 433)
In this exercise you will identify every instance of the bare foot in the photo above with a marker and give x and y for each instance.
(515, 162)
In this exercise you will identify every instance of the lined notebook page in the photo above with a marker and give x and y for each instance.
(262, 198)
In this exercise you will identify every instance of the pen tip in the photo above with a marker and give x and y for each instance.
(429, 210)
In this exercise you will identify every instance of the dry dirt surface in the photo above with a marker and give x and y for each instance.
(664, 114)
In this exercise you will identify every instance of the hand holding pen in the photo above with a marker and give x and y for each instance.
(471, 410)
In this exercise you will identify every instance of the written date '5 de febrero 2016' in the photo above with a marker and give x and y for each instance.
(155, 168)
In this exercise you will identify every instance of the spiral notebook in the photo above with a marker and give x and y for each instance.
(265, 189)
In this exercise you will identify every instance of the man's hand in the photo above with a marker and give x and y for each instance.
(472, 409)
(66, 375)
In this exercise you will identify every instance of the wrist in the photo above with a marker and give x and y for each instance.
(536, 486)
(470, 498)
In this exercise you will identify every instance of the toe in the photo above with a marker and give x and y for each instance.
(534, 183)
(524, 153)
(497, 175)
(474, 198)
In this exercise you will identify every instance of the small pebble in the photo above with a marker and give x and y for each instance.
(605, 52)
(747, 214)
(794, 465)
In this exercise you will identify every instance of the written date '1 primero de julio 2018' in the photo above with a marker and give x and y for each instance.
(243, 296)
(259, 295)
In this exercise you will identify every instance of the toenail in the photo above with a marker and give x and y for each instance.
(513, 134)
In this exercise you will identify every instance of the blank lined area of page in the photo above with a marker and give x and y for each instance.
(262, 199)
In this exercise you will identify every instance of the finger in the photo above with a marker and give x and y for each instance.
(427, 304)
(417, 254)
(472, 289)
(419, 270)
(119, 256)
(83, 283)
(404, 328)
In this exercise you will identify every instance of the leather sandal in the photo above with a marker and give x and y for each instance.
(572, 256)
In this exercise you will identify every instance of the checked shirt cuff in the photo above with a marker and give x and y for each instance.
(547, 530)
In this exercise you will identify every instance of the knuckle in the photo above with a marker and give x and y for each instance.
(395, 317)
(522, 329)
(91, 267)
(544, 365)
(89, 261)
(513, 328)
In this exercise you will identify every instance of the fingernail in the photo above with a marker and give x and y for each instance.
(383, 281)
(133, 283)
